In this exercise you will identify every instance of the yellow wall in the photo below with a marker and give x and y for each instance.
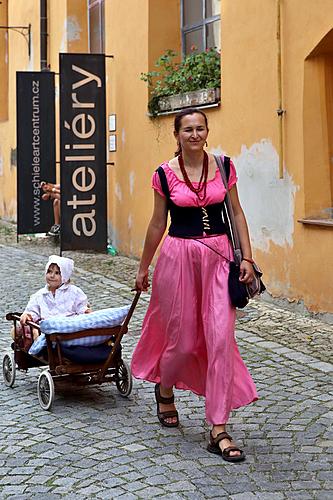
(4, 61)
(245, 126)
(57, 29)
(152, 28)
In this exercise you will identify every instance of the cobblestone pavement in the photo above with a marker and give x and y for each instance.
(308, 335)
(95, 444)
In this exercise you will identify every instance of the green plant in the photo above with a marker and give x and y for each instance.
(196, 71)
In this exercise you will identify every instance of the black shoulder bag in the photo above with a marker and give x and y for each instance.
(238, 291)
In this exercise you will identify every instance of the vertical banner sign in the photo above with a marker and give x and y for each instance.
(83, 152)
(35, 114)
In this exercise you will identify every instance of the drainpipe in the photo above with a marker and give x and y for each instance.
(280, 110)
(43, 36)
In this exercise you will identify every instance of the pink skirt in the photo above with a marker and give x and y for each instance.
(188, 336)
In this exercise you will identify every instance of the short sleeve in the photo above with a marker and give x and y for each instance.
(232, 176)
(156, 184)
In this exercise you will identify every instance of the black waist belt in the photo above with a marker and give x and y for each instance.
(195, 221)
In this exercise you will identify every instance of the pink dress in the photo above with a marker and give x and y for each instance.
(188, 336)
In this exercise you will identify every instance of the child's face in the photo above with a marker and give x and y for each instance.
(53, 277)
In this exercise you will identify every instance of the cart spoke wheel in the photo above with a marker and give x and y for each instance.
(45, 390)
(9, 369)
(124, 380)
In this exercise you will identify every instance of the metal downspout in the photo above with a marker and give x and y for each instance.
(280, 110)
(43, 36)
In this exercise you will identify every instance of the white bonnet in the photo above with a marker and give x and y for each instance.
(65, 265)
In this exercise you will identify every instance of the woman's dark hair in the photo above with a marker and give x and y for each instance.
(178, 121)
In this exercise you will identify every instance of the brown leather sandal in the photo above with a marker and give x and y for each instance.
(213, 447)
(164, 415)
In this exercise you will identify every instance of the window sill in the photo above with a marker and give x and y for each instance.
(313, 221)
(175, 111)
(199, 99)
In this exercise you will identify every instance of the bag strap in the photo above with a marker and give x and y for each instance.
(164, 182)
(230, 213)
(208, 246)
(226, 166)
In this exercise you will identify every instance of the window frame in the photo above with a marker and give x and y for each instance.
(101, 19)
(193, 27)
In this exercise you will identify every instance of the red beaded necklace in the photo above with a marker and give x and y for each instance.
(202, 185)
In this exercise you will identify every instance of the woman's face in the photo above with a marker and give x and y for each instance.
(53, 277)
(193, 133)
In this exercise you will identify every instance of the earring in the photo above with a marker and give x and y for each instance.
(206, 144)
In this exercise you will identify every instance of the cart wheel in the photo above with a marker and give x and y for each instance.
(124, 380)
(45, 390)
(9, 369)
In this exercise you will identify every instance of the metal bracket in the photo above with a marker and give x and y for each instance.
(25, 31)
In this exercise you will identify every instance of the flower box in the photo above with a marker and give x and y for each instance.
(200, 97)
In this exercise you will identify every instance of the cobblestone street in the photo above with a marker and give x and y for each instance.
(96, 444)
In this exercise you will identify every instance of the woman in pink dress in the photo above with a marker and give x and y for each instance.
(188, 334)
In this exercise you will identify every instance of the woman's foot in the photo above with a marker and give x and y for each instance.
(166, 410)
(55, 230)
(221, 443)
(48, 187)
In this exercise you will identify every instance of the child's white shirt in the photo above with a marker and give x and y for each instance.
(67, 301)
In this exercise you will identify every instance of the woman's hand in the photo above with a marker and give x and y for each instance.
(246, 274)
(141, 281)
(25, 317)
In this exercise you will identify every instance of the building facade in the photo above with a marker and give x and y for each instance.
(275, 117)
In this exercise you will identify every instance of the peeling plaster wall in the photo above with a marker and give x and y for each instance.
(269, 202)
(63, 43)
(131, 182)
(77, 26)
(1, 162)
(73, 29)
(118, 192)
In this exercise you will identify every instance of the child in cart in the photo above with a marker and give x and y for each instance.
(87, 347)
(58, 297)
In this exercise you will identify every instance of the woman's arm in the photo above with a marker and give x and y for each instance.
(154, 235)
(246, 268)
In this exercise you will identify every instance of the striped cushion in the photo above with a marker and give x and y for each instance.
(104, 318)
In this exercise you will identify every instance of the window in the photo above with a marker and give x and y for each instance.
(201, 25)
(318, 133)
(96, 26)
